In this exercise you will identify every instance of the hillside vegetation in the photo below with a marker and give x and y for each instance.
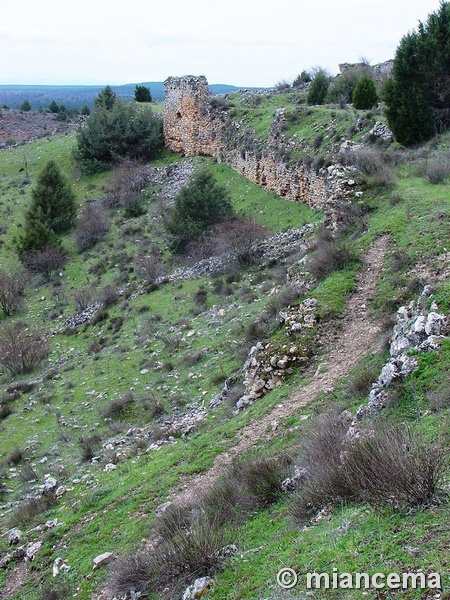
(135, 396)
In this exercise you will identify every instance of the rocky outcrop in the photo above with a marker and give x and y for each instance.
(269, 363)
(417, 329)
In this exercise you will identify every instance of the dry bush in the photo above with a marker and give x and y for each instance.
(127, 186)
(108, 296)
(149, 267)
(26, 511)
(21, 349)
(116, 409)
(11, 291)
(331, 255)
(391, 466)
(193, 537)
(91, 227)
(83, 298)
(89, 446)
(372, 162)
(45, 261)
(239, 238)
(437, 170)
(395, 467)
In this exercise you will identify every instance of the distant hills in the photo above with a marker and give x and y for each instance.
(76, 96)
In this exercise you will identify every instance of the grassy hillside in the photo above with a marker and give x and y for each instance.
(119, 412)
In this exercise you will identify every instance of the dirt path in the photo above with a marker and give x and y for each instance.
(355, 339)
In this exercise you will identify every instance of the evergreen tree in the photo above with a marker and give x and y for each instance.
(319, 87)
(52, 211)
(142, 94)
(54, 108)
(418, 95)
(198, 207)
(365, 94)
(53, 201)
(25, 106)
(106, 98)
(121, 132)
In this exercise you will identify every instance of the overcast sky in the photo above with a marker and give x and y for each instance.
(239, 42)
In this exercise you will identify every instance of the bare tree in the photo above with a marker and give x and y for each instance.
(240, 238)
(91, 227)
(11, 292)
(21, 349)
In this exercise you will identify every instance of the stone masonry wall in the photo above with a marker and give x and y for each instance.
(192, 126)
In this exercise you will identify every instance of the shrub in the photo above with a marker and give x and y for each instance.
(331, 255)
(240, 238)
(437, 170)
(26, 511)
(45, 261)
(318, 88)
(83, 298)
(11, 292)
(122, 132)
(149, 267)
(395, 467)
(389, 466)
(25, 106)
(116, 409)
(89, 446)
(365, 94)
(21, 349)
(91, 227)
(198, 207)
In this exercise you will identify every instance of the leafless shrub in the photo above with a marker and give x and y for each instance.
(46, 261)
(390, 466)
(116, 409)
(89, 446)
(240, 238)
(370, 161)
(26, 511)
(108, 296)
(21, 349)
(439, 398)
(83, 298)
(331, 255)
(11, 291)
(15, 457)
(361, 381)
(91, 227)
(127, 186)
(395, 467)
(437, 170)
(149, 267)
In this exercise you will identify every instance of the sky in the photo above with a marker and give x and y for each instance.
(238, 42)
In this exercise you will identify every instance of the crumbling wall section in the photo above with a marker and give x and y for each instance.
(193, 126)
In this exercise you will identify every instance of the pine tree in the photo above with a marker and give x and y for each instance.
(142, 94)
(319, 87)
(418, 95)
(365, 94)
(198, 207)
(106, 98)
(52, 211)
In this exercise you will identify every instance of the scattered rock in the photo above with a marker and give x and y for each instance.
(102, 560)
(32, 549)
(59, 566)
(14, 536)
(197, 589)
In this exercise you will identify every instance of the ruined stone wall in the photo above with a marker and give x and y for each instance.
(193, 127)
